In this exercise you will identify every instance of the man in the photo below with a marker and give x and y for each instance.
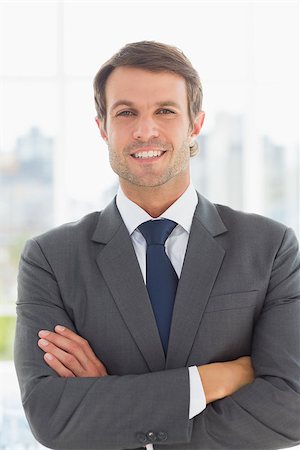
(163, 321)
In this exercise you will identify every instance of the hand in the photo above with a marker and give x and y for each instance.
(69, 355)
(220, 380)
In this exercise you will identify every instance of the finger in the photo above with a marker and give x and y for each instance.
(83, 343)
(88, 364)
(70, 346)
(57, 366)
(68, 360)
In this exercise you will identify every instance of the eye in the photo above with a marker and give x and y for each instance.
(125, 113)
(165, 111)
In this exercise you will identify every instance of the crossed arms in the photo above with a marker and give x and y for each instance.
(71, 402)
(70, 355)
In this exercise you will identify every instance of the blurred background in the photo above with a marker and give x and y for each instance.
(53, 164)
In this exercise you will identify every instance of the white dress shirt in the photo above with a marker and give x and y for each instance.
(181, 212)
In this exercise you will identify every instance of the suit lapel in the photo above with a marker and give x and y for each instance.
(202, 262)
(120, 268)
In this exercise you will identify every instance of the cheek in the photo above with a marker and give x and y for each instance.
(180, 140)
(178, 130)
(119, 136)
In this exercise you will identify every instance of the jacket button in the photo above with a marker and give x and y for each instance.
(142, 438)
(151, 436)
(162, 436)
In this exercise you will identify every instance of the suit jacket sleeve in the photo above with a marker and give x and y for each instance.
(266, 413)
(109, 413)
(113, 412)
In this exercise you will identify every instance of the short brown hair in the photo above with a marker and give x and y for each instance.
(156, 57)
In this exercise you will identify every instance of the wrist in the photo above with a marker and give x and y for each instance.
(211, 381)
(222, 379)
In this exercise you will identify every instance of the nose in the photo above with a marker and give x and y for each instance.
(145, 129)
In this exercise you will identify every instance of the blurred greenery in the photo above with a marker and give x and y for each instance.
(16, 248)
(8, 276)
(7, 332)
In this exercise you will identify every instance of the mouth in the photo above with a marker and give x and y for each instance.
(148, 155)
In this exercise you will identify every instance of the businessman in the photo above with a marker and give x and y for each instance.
(163, 321)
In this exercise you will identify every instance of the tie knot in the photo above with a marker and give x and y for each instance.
(157, 231)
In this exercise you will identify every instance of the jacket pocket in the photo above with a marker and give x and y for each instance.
(232, 300)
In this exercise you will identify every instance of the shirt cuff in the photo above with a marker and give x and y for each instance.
(197, 396)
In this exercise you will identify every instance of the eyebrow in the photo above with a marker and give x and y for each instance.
(131, 104)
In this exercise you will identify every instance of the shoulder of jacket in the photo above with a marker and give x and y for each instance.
(71, 231)
(252, 222)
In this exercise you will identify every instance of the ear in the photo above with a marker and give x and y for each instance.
(197, 124)
(101, 128)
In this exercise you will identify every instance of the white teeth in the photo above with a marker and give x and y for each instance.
(150, 154)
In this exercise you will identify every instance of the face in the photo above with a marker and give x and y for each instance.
(148, 131)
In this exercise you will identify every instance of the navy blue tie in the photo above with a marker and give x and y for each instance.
(161, 278)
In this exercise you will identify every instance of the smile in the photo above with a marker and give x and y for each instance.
(148, 154)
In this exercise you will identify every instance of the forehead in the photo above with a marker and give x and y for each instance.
(143, 86)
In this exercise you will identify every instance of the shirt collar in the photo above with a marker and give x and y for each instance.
(181, 211)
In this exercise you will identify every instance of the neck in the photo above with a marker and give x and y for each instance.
(154, 200)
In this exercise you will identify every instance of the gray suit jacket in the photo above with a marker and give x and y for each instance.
(238, 294)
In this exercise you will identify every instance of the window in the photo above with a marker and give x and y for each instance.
(53, 165)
